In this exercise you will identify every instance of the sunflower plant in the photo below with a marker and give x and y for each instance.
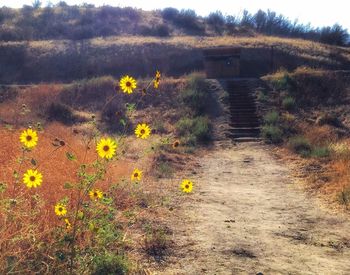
(85, 214)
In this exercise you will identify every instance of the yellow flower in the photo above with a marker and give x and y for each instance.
(68, 224)
(60, 209)
(29, 138)
(142, 131)
(106, 148)
(95, 194)
(127, 84)
(186, 186)
(32, 178)
(156, 80)
(136, 175)
(176, 144)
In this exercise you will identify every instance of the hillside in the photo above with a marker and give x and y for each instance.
(87, 21)
(65, 60)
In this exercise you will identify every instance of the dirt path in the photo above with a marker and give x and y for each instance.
(247, 217)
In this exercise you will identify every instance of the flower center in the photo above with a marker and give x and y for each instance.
(95, 194)
(60, 209)
(105, 148)
(136, 175)
(187, 186)
(142, 131)
(29, 138)
(128, 84)
(32, 178)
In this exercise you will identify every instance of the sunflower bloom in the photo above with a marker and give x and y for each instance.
(68, 224)
(95, 194)
(186, 186)
(127, 84)
(106, 148)
(176, 144)
(32, 178)
(29, 138)
(142, 131)
(60, 209)
(136, 175)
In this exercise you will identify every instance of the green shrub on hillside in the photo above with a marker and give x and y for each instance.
(288, 103)
(300, 145)
(196, 96)
(194, 130)
(272, 118)
(285, 82)
(320, 152)
(272, 134)
(110, 263)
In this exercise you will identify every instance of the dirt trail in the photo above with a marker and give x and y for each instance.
(246, 216)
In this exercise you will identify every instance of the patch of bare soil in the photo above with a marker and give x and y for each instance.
(246, 216)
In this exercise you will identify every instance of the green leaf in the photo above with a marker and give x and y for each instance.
(122, 122)
(130, 107)
(15, 174)
(3, 187)
(70, 156)
(67, 185)
(8, 127)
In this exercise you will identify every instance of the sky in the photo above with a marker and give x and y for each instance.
(317, 13)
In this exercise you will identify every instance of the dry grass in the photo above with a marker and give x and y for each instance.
(34, 219)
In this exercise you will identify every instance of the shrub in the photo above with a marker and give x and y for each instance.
(187, 19)
(62, 113)
(170, 13)
(320, 152)
(217, 21)
(271, 118)
(159, 30)
(194, 130)
(272, 134)
(110, 263)
(196, 96)
(156, 243)
(285, 82)
(329, 119)
(288, 103)
(300, 145)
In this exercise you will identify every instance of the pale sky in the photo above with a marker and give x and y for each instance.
(318, 13)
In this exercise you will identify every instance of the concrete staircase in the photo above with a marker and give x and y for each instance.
(245, 122)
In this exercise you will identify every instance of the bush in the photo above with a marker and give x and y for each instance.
(156, 243)
(62, 113)
(272, 134)
(110, 263)
(194, 130)
(217, 21)
(320, 152)
(159, 30)
(300, 145)
(288, 103)
(329, 119)
(170, 13)
(285, 82)
(271, 118)
(196, 96)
